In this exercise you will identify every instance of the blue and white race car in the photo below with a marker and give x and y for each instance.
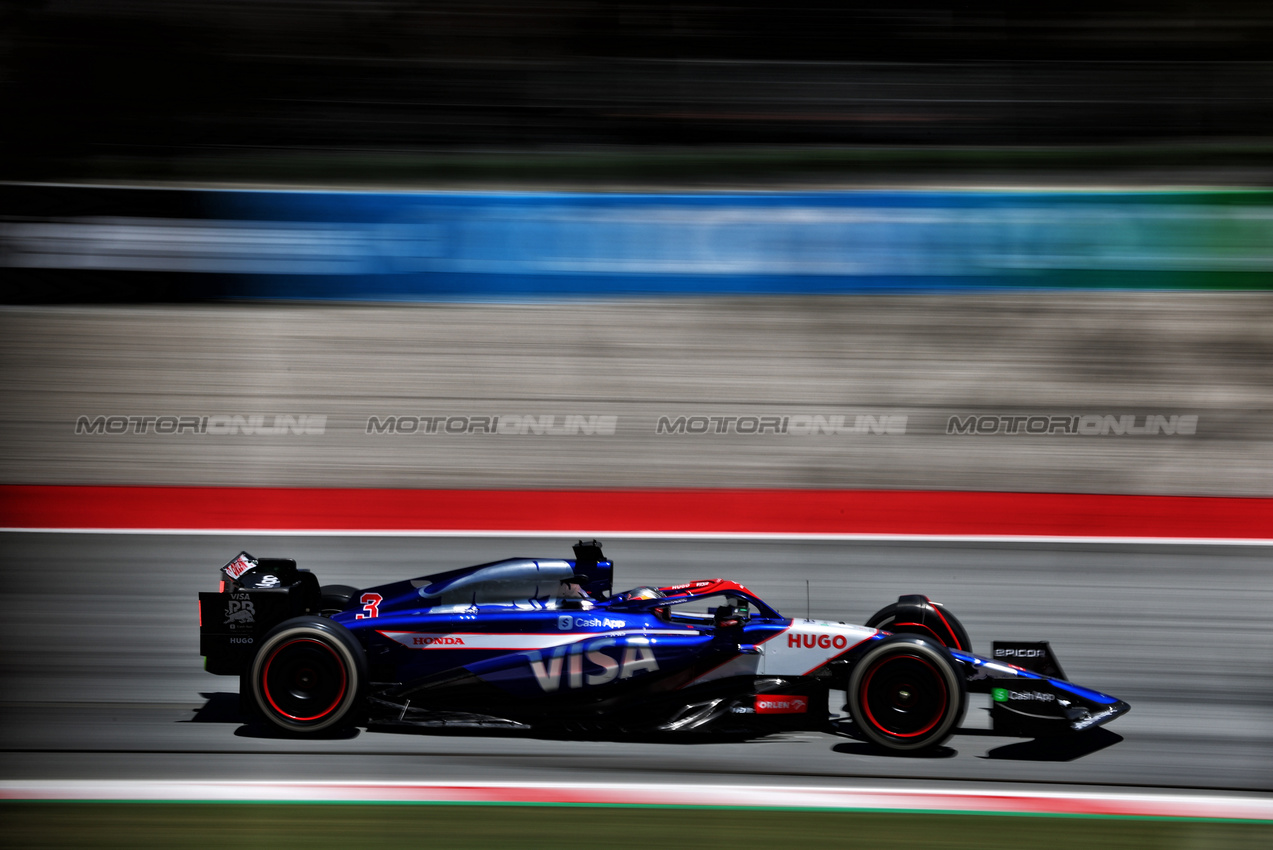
(543, 643)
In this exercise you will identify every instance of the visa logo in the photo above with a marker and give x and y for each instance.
(565, 665)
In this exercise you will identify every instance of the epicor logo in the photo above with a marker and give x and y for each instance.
(566, 664)
(1020, 653)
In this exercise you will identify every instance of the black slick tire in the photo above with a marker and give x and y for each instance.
(308, 677)
(906, 694)
(920, 615)
(334, 598)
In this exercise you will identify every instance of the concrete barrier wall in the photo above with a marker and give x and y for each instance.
(1092, 392)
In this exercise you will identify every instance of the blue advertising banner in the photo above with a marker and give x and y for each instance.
(387, 246)
(415, 245)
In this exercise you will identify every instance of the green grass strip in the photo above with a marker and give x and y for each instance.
(440, 827)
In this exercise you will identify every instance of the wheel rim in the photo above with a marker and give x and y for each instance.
(904, 696)
(304, 680)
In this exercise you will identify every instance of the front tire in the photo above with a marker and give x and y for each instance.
(906, 694)
(307, 677)
(919, 615)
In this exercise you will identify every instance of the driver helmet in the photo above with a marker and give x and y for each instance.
(649, 593)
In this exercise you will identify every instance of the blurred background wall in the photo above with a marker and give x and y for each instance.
(1073, 199)
(1146, 393)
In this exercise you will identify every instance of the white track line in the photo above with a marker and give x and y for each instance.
(656, 535)
(845, 798)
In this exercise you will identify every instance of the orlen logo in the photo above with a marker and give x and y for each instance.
(808, 641)
(781, 704)
(437, 640)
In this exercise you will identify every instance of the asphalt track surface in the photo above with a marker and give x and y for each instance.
(102, 677)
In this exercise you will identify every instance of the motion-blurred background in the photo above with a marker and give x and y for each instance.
(224, 87)
(638, 210)
(616, 245)
(904, 214)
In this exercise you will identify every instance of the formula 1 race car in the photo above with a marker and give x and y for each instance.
(533, 643)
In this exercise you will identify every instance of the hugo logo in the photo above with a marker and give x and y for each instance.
(807, 641)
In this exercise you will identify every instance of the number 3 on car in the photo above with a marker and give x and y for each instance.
(371, 605)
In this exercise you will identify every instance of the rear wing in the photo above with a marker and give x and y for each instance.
(256, 595)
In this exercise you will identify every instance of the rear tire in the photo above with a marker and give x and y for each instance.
(307, 677)
(906, 694)
(335, 598)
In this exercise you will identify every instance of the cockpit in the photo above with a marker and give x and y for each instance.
(722, 610)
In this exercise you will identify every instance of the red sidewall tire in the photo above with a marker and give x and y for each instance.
(308, 676)
(334, 598)
(906, 694)
(946, 629)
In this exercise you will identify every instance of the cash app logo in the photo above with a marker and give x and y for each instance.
(999, 694)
